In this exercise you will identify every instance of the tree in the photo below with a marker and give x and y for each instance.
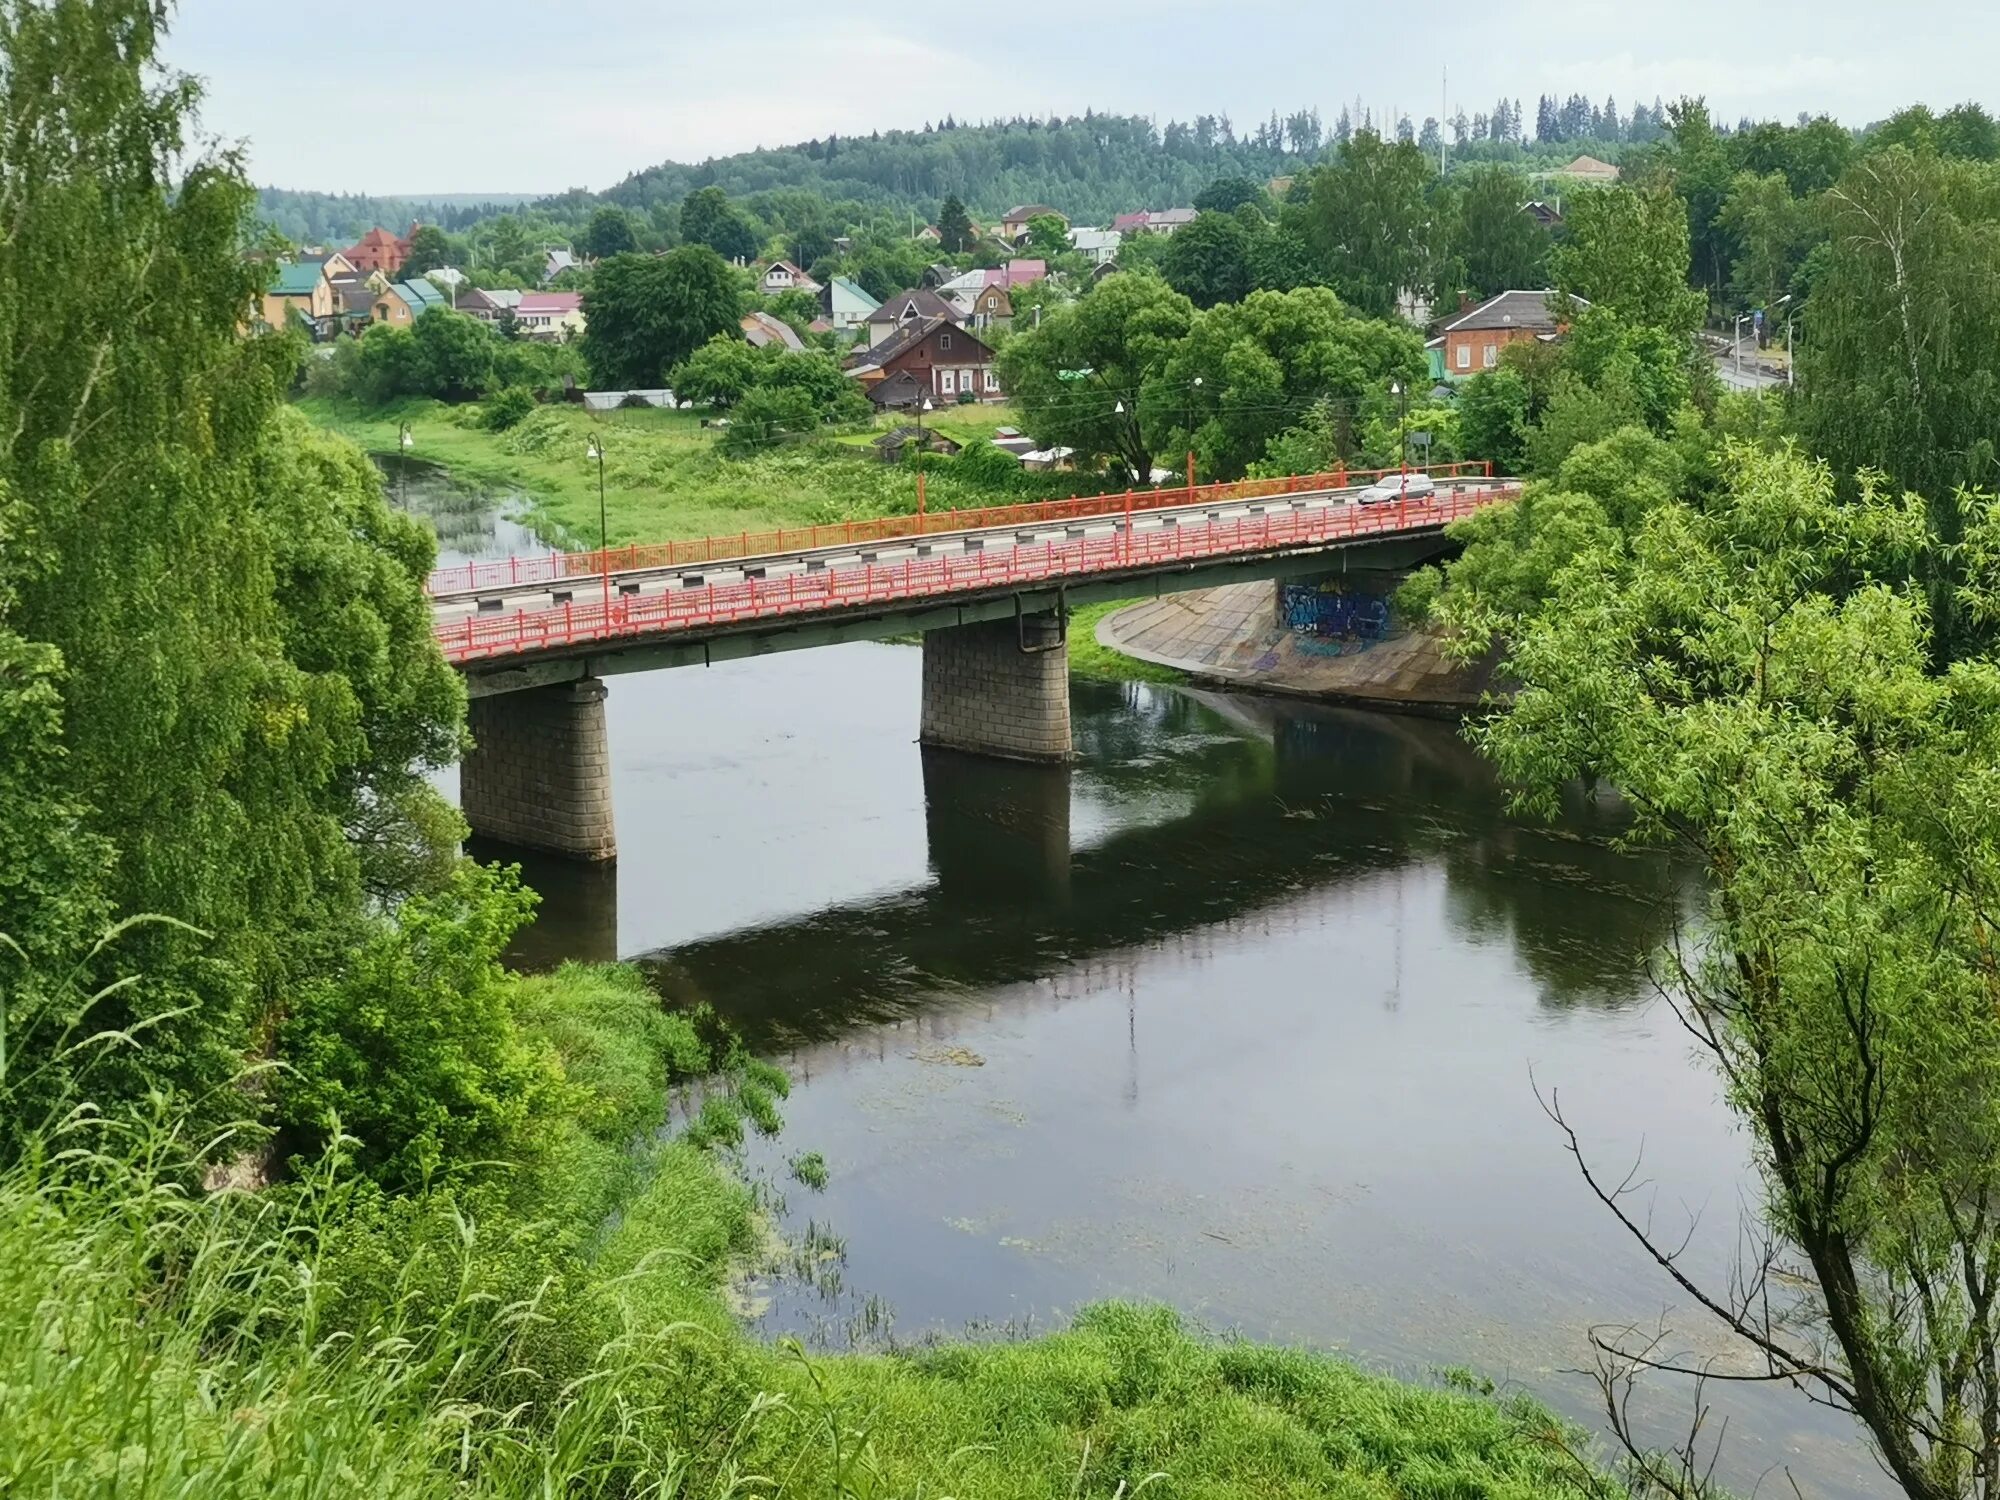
(1495, 246)
(709, 218)
(1209, 259)
(452, 355)
(1368, 222)
(1753, 676)
(1900, 369)
(1071, 376)
(1769, 227)
(1047, 235)
(430, 248)
(1493, 418)
(1227, 194)
(1248, 370)
(1626, 251)
(769, 415)
(954, 227)
(644, 314)
(610, 233)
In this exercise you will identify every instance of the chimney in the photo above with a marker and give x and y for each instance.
(1465, 302)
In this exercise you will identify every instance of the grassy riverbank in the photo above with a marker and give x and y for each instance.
(485, 1338)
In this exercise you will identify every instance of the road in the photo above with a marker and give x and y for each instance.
(1753, 375)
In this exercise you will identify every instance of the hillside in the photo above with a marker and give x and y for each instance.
(341, 218)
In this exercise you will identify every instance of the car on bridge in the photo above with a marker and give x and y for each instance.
(1393, 488)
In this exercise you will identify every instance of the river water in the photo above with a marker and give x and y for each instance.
(1246, 1012)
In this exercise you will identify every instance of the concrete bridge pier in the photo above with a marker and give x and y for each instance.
(539, 773)
(999, 688)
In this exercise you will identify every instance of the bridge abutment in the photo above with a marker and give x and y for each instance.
(539, 773)
(999, 688)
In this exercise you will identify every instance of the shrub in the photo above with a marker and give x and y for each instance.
(507, 408)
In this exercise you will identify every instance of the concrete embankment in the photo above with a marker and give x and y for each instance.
(1255, 637)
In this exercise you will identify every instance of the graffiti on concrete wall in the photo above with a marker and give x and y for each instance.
(1333, 617)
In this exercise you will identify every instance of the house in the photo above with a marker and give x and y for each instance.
(1012, 440)
(487, 304)
(379, 250)
(557, 259)
(906, 307)
(846, 305)
(782, 276)
(299, 287)
(929, 235)
(941, 360)
(549, 315)
(1134, 223)
(762, 329)
(1167, 220)
(1590, 169)
(1472, 341)
(893, 444)
(1014, 222)
(331, 261)
(989, 307)
(1548, 215)
(1096, 245)
(354, 300)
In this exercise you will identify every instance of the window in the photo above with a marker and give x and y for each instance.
(948, 383)
(944, 341)
(1465, 356)
(1492, 355)
(992, 381)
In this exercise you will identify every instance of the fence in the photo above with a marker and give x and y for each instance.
(554, 566)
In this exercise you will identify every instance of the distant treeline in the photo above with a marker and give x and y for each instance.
(342, 218)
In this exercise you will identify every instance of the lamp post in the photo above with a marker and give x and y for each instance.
(922, 407)
(1736, 342)
(1791, 375)
(405, 442)
(1191, 404)
(596, 451)
(1402, 396)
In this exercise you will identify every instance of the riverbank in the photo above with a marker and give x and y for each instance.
(481, 1338)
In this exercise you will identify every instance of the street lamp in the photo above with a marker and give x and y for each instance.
(1402, 435)
(922, 407)
(595, 451)
(1191, 403)
(1791, 374)
(405, 442)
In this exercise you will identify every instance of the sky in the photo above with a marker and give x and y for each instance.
(504, 96)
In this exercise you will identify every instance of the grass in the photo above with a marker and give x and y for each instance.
(1089, 658)
(318, 1339)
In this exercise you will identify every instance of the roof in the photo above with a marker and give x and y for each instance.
(298, 279)
(927, 304)
(354, 292)
(1087, 240)
(895, 437)
(849, 289)
(1174, 217)
(1590, 166)
(497, 296)
(382, 239)
(549, 303)
(1021, 272)
(800, 276)
(913, 333)
(761, 328)
(1125, 222)
(1027, 211)
(420, 295)
(1528, 310)
(559, 258)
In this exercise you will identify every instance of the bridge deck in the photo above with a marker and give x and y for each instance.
(525, 619)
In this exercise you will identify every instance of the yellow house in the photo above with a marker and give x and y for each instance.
(299, 287)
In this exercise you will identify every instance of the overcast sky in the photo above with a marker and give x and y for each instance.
(504, 96)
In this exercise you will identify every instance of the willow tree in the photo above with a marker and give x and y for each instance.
(218, 745)
(1751, 673)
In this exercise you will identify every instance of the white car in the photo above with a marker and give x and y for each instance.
(1391, 489)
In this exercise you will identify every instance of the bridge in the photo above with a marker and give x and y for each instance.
(989, 591)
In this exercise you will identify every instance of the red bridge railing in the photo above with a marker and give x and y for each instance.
(482, 637)
(551, 567)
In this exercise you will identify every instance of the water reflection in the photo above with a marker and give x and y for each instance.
(473, 523)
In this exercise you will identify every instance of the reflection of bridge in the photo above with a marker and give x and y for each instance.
(1321, 797)
(536, 636)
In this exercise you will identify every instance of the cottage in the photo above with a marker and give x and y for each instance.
(763, 329)
(1014, 223)
(990, 307)
(379, 250)
(403, 302)
(906, 307)
(783, 276)
(1472, 341)
(1167, 220)
(299, 287)
(1133, 223)
(941, 359)
(1590, 169)
(1097, 246)
(1548, 215)
(488, 303)
(557, 259)
(549, 315)
(846, 305)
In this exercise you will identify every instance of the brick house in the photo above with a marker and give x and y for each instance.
(1470, 343)
(379, 250)
(932, 357)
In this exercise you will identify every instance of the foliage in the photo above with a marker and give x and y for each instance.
(768, 414)
(720, 373)
(1772, 230)
(430, 248)
(451, 356)
(708, 218)
(1495, 247)
(507, 407)
(1367, 220)
(1227, 194)
(1494, 411)
(645, 314)
(1208, 260)
(1898, 369)
(1753, 675)
(1123, 334)
(610, 233)
(1625, 250)
(954, 226)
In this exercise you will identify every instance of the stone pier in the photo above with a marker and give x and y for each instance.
(1000, 688)
(539, 774)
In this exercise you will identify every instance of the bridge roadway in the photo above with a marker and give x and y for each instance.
(511, 634)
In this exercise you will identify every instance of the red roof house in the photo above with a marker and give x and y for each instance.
(379, 250)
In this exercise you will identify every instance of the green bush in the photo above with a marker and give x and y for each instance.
(507, 408)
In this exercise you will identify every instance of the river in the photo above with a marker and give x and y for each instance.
(1247, 1012)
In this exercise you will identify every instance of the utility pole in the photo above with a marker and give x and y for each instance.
(1444, 108)
(596, 451)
